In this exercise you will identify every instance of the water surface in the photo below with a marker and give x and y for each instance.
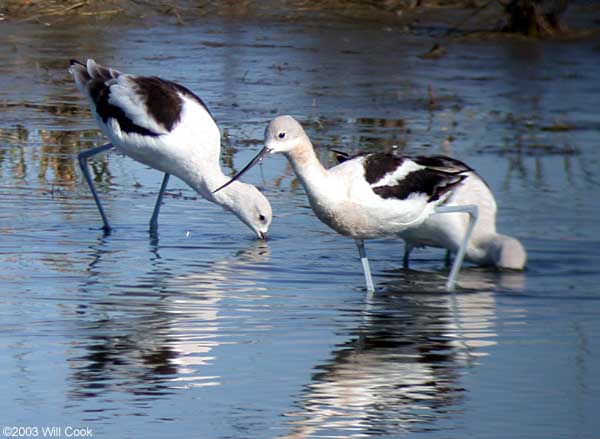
(205, 332)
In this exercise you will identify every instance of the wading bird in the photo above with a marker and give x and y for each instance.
(486, 246)
(164, 125)
(377, 195)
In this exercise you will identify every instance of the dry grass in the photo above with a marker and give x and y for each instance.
(456, 15)
(36, 10)
(51, 11)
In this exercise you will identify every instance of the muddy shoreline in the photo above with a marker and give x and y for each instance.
(50, 11)
(472, 19)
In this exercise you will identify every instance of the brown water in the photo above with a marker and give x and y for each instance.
(206, 333)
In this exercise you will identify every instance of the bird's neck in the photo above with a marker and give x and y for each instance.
(308, 168)
(206, 180)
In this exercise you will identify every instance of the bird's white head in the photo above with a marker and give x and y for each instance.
(283, 134)
(250, 206)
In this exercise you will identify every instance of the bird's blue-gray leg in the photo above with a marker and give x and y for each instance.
(82, 158)
(407, 249)
(473, 212)
(365, 265)
(154, 219)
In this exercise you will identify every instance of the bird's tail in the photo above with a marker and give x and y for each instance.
(86, 74)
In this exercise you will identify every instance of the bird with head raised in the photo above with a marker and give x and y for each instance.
(164, 125)
(377, 194)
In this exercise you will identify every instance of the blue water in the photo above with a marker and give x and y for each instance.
(205, 332)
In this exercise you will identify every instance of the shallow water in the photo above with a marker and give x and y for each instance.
(205, 332)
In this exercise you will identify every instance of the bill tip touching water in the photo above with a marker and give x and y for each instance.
(426, 200)
(166, 126)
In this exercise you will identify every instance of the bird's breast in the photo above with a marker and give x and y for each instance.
(350, 219)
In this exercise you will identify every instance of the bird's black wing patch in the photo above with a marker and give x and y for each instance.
(187, 92)
(442, 163)
(447, 164)
(100, 93)
(430, 182)
(342, 156)
(379, 164)
(163, 103)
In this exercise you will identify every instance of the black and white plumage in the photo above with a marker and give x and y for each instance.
(375, 195)
(403, 177)
(486, 246)
(167, 127)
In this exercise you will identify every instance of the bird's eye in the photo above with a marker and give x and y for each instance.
(261, 218)
(281, 135)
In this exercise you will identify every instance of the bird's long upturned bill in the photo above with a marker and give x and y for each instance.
(253, 162)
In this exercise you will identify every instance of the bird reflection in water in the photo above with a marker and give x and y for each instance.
(156, 334)
(401, 369)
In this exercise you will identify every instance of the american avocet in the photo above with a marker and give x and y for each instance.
(167, 127)
(486, 247)
(377, 194)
